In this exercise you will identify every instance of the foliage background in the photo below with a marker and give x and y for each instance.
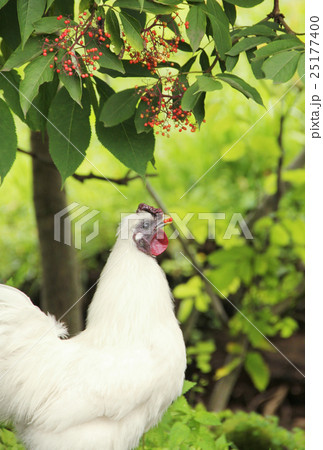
(264, 279)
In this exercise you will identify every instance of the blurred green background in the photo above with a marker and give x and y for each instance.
(263, 277)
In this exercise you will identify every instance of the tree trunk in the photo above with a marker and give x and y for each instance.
(61, 286)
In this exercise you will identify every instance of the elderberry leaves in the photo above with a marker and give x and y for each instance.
(193, 94)
(245, 3)
(69, 132)
(119, 107)
(242, 86)
(132, 30)
(277, 60)
(8, 140)
(21, 55)
(114, 30)
(73, 85)
(148, 6)
(197, 24)
(220, 26)
(36, 73)
(123, 141)
(132, 149)
(28, 13)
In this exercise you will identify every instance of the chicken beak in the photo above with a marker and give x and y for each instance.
(166, 220)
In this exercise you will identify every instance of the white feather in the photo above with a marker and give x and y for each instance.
(105, 387)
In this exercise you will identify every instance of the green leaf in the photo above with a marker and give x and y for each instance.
(84, 5)
(191, 288)
(149, 6)
(256, 64)
(228, 368)
(9, 26)
(108, 59)
(130, 70)
(245, 3)
(169, 2)
(73, 85)
(9, 83)
(278, 46)
(221, 443)
(246, 44)
(197, 25)
(230, 11)
(3, 2)
(36, 73)
(185, 309)
(29, 11)
(257, 370)
(20, 56)
(199, 109)
(132, 30)
(119, 107)
(139, 16)
(69, 132)
(187, 66)
(104, 90)
(301, 66)
(187, 386)
(189, 99)
(278, 235)
(132, 149)
(207, 418)
(204, 61)
(242, 86)
(140, 121)
(221, 36)
(260, 29)
(114, 29)
(49, 25)
(231, 62)
(8, 139)
(220, 26)
(282, 66)
(207, 84)
(178, 434)
(36, 118)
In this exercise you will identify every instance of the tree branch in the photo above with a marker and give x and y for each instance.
(280, 18)
(121, 181)
(91, 176)
(280, 186)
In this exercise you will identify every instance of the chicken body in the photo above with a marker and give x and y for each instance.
(102, 389)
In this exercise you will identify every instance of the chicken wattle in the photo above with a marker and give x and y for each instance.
(102, 389)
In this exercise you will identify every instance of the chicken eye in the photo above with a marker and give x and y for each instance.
(145, 225)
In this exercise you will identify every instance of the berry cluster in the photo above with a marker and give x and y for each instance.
(163, 106)
(157, 49)
(79, 47)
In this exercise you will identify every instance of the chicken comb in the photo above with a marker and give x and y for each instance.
(150, 209)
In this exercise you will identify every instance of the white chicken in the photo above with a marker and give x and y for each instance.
(105, 387)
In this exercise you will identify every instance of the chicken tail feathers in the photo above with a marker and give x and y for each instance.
(16, 309)
(26, 333)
